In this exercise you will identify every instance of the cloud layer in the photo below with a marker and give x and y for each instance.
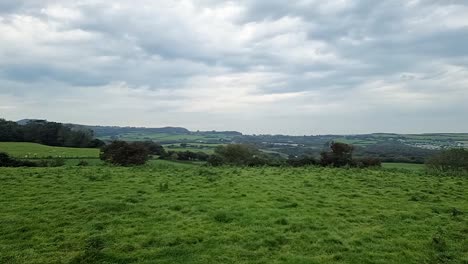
(301, 67)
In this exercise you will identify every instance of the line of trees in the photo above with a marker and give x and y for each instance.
(125, 154)
(48, 133)
(339, 155)
(452, 160)
(137, 153)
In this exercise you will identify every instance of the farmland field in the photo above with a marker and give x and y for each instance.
(194, 147)
(168, 212)
(33, 150)
(164, 137)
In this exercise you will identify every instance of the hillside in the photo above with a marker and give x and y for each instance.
(407, 148)
(34, 150)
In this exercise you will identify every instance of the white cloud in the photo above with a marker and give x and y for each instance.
(255, 66)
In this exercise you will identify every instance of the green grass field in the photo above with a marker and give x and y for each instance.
(33, 150)
(168, 212)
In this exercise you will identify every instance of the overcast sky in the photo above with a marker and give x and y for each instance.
(255, 66)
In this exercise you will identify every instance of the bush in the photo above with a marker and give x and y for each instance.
(367, 162)
(125, 154)
(7, 161)
(240, 155)
(57, 162)
(215, 160)
(449, 160)
(236, 154)
(190, 156)
(301, 161)
(341, 154)
(152, 147)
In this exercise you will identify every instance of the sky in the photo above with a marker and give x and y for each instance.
(302, 67)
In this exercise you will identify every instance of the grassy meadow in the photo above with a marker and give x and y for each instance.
(34, 150)
(168, 212)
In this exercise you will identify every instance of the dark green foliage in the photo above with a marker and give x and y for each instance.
(124, 154)
(185, 156)
(96, 143)
(395, 152)
(10, 131)
(237, 154)
(241, 155)
(7, 161)
(450, 160)
(367, 162)
(386, 147)
(301, 161)
(47, 133)
(340, 155)
(51, 162)
(152, 147)
(57, 162)
(215, 160)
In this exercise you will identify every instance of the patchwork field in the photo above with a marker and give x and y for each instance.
(179, 213)
(164, 137)
(33, 150)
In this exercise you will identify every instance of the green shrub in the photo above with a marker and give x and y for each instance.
(7, 161)
(452, 160)
(125, 154)
(367, 162)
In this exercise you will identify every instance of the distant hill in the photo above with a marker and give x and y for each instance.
(161, 134)
(26, 121)
(116, 130)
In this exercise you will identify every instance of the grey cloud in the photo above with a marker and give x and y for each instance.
(219, 53)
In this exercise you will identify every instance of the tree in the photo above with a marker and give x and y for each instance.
(10, 131)
(153, 147)
(215, 160)
(241, 155)
(301, 161)
(341, 154)
(47, 133)
(237, 154)
(367, 162)
(449, 160)
(125, 154)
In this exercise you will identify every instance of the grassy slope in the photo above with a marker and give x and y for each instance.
(32, 150)
(230, 215)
